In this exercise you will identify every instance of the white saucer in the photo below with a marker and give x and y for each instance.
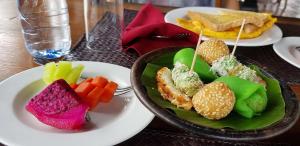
(285, 48)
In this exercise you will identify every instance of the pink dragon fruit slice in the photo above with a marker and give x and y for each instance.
(58, 106)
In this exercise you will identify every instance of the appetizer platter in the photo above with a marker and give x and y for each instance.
(224, 24)
(70, 103)
(217, 94)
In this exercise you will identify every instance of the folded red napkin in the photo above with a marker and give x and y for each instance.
(141, 34)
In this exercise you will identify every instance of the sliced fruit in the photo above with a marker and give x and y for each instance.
(84, 88)
(86, 80)
(62, 70)
(73, 86)
(92, 99)
(95, 90)
(74, 74)
(58, 106)
(48, 74)
(108, 92)
(99, 81)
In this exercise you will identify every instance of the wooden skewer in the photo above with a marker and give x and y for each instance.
(237, 39)
(195, 54)
(86, 24)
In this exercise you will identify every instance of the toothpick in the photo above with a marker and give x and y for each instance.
(195, 54)
(86, 24)
(237, 39)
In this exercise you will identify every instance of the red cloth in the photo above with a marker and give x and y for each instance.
(149, 22)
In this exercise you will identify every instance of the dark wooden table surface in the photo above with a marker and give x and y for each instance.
(14, 58)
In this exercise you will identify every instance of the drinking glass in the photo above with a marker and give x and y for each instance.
(103, 24)
(45, 27)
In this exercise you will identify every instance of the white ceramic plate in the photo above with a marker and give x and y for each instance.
(269, 37)
(110, 124)
(285, 48)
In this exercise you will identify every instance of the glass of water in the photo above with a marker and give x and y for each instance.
(103, 24)
(45, 25)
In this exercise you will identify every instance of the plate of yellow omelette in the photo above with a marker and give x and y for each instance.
(224, 24)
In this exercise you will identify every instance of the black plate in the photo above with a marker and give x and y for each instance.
(290, 117)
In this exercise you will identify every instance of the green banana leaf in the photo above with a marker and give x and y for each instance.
(274, 111)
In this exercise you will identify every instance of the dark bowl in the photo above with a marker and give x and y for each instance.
(290, 117)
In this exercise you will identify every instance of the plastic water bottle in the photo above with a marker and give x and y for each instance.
(46, 27)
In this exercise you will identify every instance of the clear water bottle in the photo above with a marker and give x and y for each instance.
(46, 27)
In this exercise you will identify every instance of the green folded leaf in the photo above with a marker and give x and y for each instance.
(274, 111)
(251, 98)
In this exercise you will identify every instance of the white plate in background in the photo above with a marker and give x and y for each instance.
(285, 49)
(271, 36)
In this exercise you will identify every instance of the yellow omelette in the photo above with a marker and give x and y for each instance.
(196, 26)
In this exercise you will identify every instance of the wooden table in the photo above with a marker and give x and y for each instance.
(14, 58)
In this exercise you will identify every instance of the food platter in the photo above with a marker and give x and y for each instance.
(290, 116)
(269, 37)
(111, 123)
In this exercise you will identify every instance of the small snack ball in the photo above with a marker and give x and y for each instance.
(225, 66)
(178, 69)
(214, 101)
(189, 83)
(186, 81)
(212, 50)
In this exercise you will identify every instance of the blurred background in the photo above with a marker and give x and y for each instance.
(287, 8)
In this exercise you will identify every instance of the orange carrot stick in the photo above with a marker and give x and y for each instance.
(86, 80)
(99, 81)
(73, 86)
(108, 92)
(92, 99)
(84, 88)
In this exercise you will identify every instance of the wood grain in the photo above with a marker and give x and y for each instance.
(14, 57)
